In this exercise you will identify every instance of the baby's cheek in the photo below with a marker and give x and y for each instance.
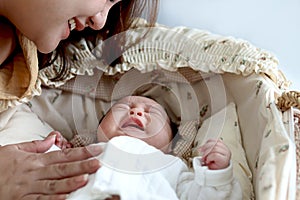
(107, 133)
(101, 136)
(156, 127)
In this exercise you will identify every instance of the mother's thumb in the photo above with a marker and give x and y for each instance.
(37, 146)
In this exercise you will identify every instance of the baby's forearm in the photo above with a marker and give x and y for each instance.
(204, 183)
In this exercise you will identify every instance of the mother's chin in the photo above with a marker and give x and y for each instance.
(46, 47)
(48, 43)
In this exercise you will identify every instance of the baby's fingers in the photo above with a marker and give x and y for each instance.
(207, 147)
(213, 146)
(215, 161)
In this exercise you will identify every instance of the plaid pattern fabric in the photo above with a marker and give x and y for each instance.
(81, 140)
(187, 132)
(97, 86)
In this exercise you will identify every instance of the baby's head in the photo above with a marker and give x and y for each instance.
(138, 117)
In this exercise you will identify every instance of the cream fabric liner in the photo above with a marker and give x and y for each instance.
(178, 47)
(166, 48)
(267, 145)
(270, 151)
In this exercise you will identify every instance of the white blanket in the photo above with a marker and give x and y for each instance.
(134, 170)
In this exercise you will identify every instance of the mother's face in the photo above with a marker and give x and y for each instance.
(47, 22)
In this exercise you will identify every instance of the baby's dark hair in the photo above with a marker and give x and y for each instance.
(102, 117)
(174, 128)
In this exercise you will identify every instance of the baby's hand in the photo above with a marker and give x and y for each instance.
(215, 154)
(60, 141)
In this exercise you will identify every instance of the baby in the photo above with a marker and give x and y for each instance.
(136, 135)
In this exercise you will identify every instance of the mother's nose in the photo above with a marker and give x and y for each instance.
(98, 21)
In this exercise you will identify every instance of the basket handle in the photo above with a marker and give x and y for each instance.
(289, 99)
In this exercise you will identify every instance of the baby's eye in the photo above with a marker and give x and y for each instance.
(154, 110)
(121, 106)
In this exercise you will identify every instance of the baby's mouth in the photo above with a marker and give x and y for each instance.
(72, 24)
(135, 123)
(134, 126)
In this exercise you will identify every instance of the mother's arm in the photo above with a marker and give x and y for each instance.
(29, 173)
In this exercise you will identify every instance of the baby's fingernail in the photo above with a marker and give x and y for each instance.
(51, 137)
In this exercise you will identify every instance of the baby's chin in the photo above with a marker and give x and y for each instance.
(102, 138)
(166, 149)
(105, 138)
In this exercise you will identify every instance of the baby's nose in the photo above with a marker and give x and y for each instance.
(136, 112)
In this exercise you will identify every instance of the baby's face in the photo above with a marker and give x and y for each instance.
(138, 117)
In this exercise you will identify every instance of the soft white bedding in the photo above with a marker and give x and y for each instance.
(134, 170)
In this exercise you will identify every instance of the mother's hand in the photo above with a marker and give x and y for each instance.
(29, 173)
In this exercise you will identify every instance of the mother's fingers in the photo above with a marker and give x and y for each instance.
(37, 146)
(45, 197)
(64, 170)
(70, 155)
(63, 186)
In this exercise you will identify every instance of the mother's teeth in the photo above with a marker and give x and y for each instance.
(72, 24)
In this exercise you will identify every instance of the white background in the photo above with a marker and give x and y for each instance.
(273, 25)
